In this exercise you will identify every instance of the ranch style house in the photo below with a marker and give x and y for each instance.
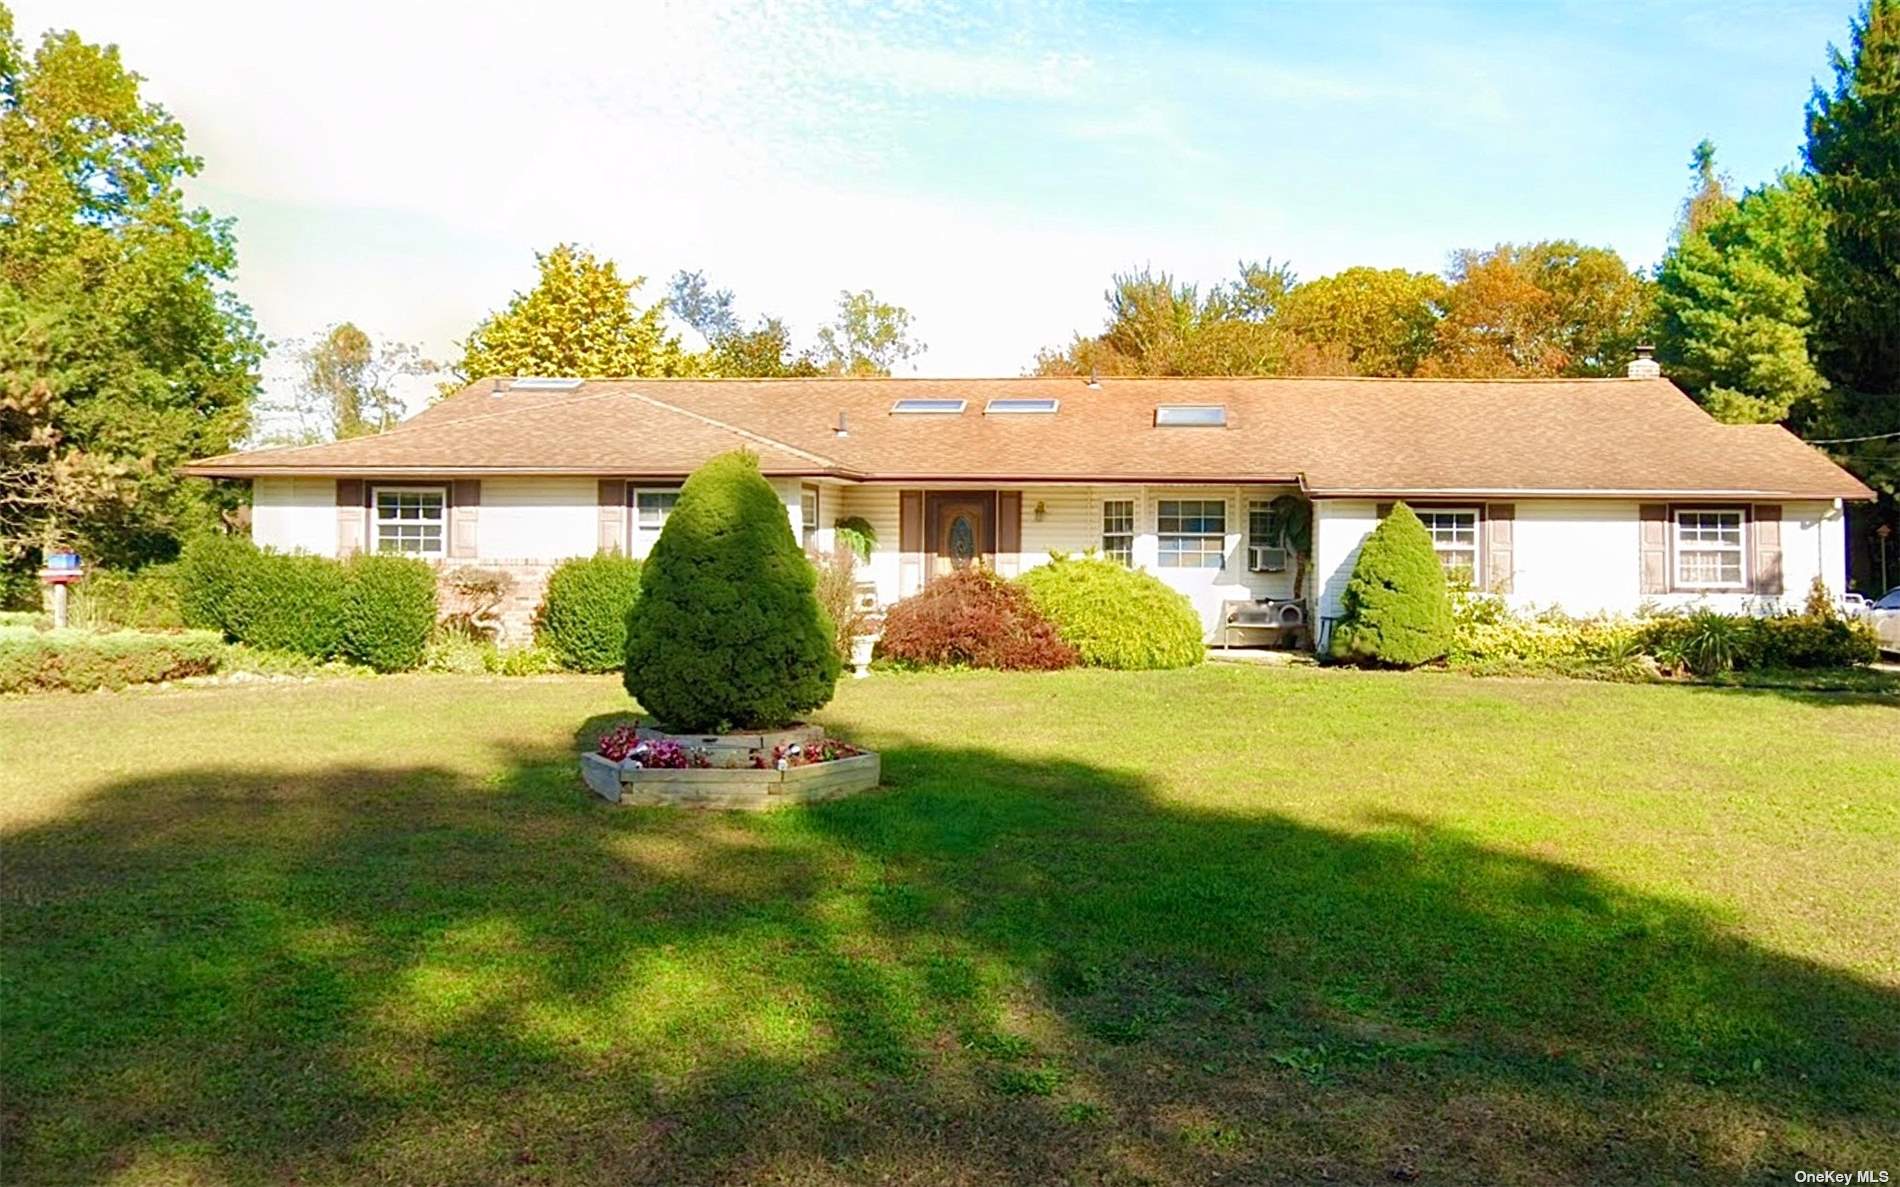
(1593, 495)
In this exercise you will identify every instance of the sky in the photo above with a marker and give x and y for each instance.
(988, 167)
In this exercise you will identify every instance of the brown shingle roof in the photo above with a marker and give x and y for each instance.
(1335, 435)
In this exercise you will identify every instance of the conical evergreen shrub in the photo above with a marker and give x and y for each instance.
(1397, 609)
(729, 633)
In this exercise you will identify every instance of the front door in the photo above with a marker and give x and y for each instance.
(962, 529)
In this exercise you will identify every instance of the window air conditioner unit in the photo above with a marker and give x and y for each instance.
(1264, 559)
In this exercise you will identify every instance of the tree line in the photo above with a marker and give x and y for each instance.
(124, 351)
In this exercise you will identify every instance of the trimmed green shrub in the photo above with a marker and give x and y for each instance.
(1816, 641)
(289, 602)
(972, 619)
(583, 618)
(729, 632)
(81, 661)
(210, 569)
(1397, 612)
(145, 599)
(388, 612)
(1115, 616)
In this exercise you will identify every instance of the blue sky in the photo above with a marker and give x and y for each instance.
(987, 166)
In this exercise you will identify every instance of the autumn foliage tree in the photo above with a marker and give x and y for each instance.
(1555, 308)
(1380, 321)
(579, 319)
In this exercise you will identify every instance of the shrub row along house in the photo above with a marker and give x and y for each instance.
(1596, 495)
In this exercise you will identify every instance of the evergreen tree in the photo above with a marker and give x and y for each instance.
(1733, 297)
(1397, 612)
(729, 631)
(1853, 151)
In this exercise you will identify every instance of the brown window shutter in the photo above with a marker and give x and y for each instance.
(1009, 531)
(1767, 525)
(465, 512)
(910, 541)
(1384, 509)
(1500, 523)
(1653, 546)
(352, 515)
(612, 502)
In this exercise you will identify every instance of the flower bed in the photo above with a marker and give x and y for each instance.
(636, 764)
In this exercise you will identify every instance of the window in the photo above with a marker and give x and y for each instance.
(808, 516)
(412, 520)
(1709, 549)
(1266, 546)
(928, 407)
(1118, 530)
(1191, 415)
(1018, 406)
(651, 507)
(1454, 536)
(1192, 533)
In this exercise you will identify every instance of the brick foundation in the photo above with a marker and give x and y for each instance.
(528, 584)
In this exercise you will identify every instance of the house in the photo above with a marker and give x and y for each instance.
(1595, 495)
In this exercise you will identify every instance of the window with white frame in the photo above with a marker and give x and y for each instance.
(651, 506)
(1266, 539)
(1118, 530)
(808, 516)
(411, 520)
(1191, 533)
(1709, 549)
(1454, 534)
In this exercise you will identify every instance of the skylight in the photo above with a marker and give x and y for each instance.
(928, 407)
(1191, 415)
(543, 383)
(1017, 406)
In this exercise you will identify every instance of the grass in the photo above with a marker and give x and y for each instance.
(1267, 926)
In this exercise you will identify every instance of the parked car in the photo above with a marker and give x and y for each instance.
(1886, 617)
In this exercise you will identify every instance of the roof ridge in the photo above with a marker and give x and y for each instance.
(1105, 379)
(408, 426)
(748, 434)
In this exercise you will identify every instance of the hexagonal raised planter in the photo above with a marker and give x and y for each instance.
(738, 776)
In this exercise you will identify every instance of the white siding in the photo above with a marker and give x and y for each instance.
(536, 519)
(877, 505)
(1071, 522)
(1339, 527)
(1581, 556)
(294, 514)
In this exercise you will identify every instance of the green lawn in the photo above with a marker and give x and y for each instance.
(1271, 926)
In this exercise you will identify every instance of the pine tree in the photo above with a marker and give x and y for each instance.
(1733, 295)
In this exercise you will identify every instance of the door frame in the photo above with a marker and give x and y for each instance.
(933, 526)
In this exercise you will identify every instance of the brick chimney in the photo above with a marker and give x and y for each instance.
(1644, 366)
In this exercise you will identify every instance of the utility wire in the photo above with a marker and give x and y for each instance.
(1849, 440)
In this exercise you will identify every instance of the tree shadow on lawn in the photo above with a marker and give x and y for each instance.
(997, 970)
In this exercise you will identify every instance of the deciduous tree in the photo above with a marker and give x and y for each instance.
(579, 319)
(765, 351)
(1542, 309)
(1157, 325)
(869, 336)
(122, 351)
(345, 387)
(1381, 321)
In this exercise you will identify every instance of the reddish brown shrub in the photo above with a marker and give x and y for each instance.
(973, 618)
